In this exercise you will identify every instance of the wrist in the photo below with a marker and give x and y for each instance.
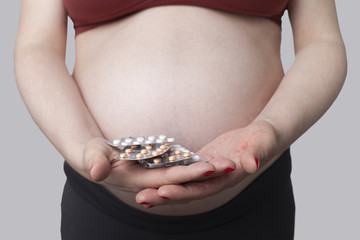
(278, 129)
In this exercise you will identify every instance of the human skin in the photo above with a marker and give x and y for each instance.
(211, 79)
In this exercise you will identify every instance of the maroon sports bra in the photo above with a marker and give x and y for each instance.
(88, 14)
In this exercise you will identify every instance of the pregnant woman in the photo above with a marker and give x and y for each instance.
(207, 73)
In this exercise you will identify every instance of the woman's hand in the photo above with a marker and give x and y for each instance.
(247, 148)
(131, 176)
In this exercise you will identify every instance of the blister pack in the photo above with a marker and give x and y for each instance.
(154, 151)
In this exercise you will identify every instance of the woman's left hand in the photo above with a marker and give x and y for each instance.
(247, 147)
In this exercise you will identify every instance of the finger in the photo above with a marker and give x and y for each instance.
(98, 162)
(150, 197)
(154, 178)
(222, 166)
(250, 159)
(193, 190)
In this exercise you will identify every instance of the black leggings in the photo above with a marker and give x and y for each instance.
(264, 210)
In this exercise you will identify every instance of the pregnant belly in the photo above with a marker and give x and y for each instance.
(179, 79)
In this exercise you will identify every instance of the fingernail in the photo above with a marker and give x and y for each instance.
(90, 172)
(208, 173)
(164, 197)
(257, 162)
(142, 203)
(229, 170)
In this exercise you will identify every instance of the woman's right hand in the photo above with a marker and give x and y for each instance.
(132, 177)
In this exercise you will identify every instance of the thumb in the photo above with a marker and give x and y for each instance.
(250, 159)
(98, 163)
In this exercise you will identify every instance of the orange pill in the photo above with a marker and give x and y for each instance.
(187, 154)
(171, 158)
(139, 155)
(155, 153)
(143, 151)
(123, 155)
(157, 160)
(128, 150)
(178, 152)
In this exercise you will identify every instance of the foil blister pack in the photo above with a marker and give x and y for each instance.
(154, 151)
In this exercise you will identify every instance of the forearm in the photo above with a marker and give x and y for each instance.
(54, 101)
(307, 90)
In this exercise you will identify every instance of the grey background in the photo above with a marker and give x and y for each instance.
(325, 159)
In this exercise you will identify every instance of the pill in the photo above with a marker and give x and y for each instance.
(187, 154)
(123, 155)
(129, 150)
(151, 138)
(128, 140)
(139, 155)
(171, 158)
(148, 148)
(157, 160)
(140, 139)
(162, 147)
(143, 151)
(155, 153)
(159, 150)
(162, 137)
(178, 152)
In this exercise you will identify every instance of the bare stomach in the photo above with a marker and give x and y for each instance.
(187, 72)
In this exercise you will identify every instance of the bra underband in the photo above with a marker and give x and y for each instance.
(88, 14)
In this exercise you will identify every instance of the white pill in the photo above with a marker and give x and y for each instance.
(151, 138)
(162, 137)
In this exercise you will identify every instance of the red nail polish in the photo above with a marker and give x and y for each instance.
(229, 170)
(257, 162)
(90, 172)
(164, 197)
(142, 203)
(208, 173)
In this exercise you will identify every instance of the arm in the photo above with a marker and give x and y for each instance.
(314, 81)
(304, 95)
(56, 105)
(48, 90)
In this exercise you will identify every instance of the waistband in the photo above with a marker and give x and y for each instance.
(265, 186)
